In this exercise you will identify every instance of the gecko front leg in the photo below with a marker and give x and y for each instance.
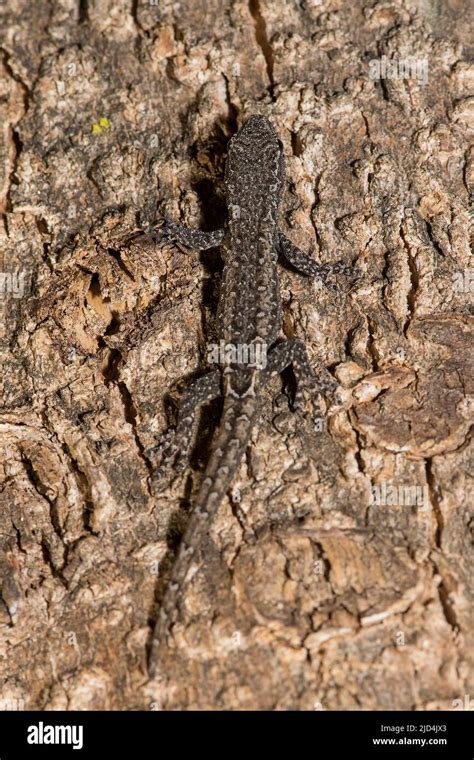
(174, 446)
(307, 266)
(179, 233)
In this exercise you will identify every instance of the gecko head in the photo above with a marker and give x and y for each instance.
(258, 125)
(257, 151)
(257, 132)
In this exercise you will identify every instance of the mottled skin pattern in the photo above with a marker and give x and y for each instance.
(249, 310)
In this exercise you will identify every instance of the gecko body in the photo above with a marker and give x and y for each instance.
(249, 316)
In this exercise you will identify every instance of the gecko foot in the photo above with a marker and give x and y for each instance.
(314, 384)
(179, 233)
(173, 449)
(151, 233)
(169, 457)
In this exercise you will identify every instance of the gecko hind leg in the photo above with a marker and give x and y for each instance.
(179, 233)
(307, 266)
(293, 352)
(174, 446)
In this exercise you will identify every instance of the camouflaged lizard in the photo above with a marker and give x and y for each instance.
(250, 318)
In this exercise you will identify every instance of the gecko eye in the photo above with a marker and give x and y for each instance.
(280, 145)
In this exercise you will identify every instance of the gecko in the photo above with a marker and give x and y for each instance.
(249, 317)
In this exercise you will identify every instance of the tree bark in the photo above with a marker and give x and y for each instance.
(340, 575)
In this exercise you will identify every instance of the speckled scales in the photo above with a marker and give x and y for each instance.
(249, 311)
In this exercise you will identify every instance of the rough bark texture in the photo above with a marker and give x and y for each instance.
(115, 113)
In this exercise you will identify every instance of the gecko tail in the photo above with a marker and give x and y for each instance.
(228, 450)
